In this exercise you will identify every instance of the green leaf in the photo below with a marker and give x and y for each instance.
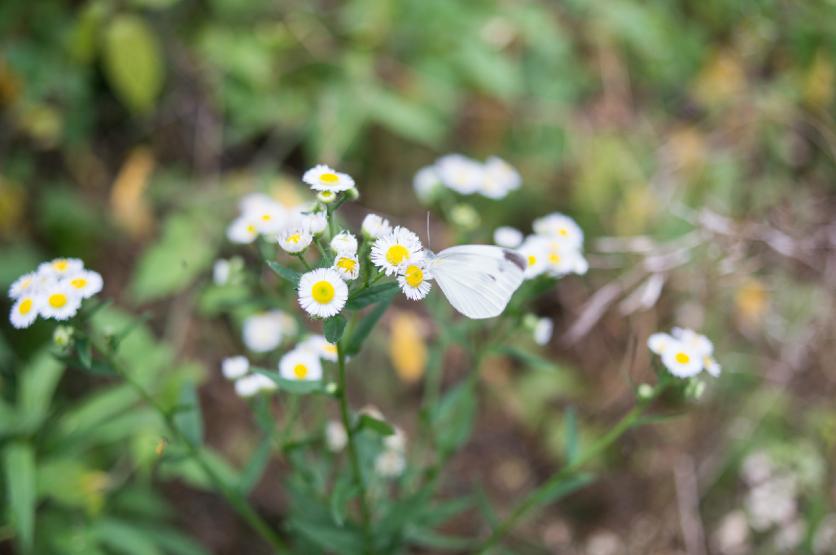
(284, 272)
(295, 387)
(133, 63)
(381, 428)
(189, 419)
(373, 294)
(366, 325)
(404, 117)
(251, 473)
(334, 327)
(85, 353)
(124, 537)
(426, 537)
(571, 433)
(37, 384)
(344, 490)
(20, 492)
(550, 493)
(453, 417)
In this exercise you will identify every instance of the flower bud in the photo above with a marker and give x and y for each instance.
(645, 392)
(352, 194)
(63, 335)
(465, 216)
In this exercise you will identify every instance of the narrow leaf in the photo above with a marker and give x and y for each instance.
(366, 325)
(344, 490)
(188, 418)
(334, 328)
(284, 272)
(375, 425)
(373, 294)
(20, 492)
(133, 63)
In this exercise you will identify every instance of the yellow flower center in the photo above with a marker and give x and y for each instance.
(346, 264)
(25, 307)
(79, 283)
(682, 358)
(327, 195)
(57, 300)
(329, 177)
(295, 238)
(554, 258)
(300, 371)
(563, 232)
(266, 217)
(532, 260)
(251, 228)
(330, 349)
(322, 292)
(61, 265)
(396, 254)
(414, 276)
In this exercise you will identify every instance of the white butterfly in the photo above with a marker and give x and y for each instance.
(478, 280)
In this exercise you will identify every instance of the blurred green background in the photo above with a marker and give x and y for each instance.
(128, 129)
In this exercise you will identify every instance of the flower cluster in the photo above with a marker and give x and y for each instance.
(684, 352)
(494, 178)
(247, 384)
(554, 249)
(55, 290)
(292, 226)
(264, 332)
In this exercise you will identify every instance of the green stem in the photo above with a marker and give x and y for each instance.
(238, 502)
(357, 469)
(304, 262)
(292, 413)
(534, 499)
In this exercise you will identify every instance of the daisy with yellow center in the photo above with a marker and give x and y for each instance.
(25, 311)
(374, 226)
(300, 365)
(415, 281)
(460, 173)
(345, 243)
(685, 353)
(23, 285)
(295, 239)
(533, 251)
(559, 227)
(60, 267)
(86, 283)
(323, 178)
(347, 265)
(322, 293)
(242, 230)
(319, 346)
(315, 222)
(60, 302)
(395, 250)
(268, 218)
(499, 179)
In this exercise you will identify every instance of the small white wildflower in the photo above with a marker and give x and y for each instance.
(318, 345)
(335, 436)
(732, 535)
(242, 231)
(25, 310)
(533, 250)
(344, 243)
(347, 265)
(326, 197)
(235, 367)
(374, 226)
(315, 222)
(396, 249)
(559, 227)
(395, 441)
(250, 385)
(323, 178)
(500, 178)
(267, 217)
(390, 464)
(294, 239)
(322, 293)
(300, 365)
(415, 280)
(508, 237)
(460, 173)
(60, 302)
(263, 332)
(681, 360)
(27, 283)
(85, 283)
(220, 272)
(60, 267)
(543, 330)
(426, 183)
(253, 202)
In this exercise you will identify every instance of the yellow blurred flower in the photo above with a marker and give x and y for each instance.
(751, 301)
(131, 210)
(407, 348)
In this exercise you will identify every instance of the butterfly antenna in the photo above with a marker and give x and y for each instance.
(429, 242)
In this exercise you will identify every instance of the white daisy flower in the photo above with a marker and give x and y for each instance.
(390, 464)
(415, 281)
(235, 367)
(562, 259)
(426, 182)
(681, 360)
(344, 243)
(559, 227)
(242, 230)
(543, 330)
(699, 343)
(500, 178)
(711, 366)
(374, 226)
(323, 178)
(60, 267)
(315, 222)
(27, 283)
(318, 345)
(508, 237)
(253, 384)
(60, 302)
(659, 342)
(269, 217)
(396, 441)
(347, 265)
(294, 239)
(534, 252)
(263, 332)
(322, 292)
(86, 283)
(326, 197)
(336, 437)
(253, 202)
(395, 249)
(460, 173)
(220, 272)
(300, 364)
(25, 311)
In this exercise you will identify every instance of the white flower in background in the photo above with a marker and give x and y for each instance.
(415, 280)
(702, 345)
(315, 222)
(681, 360)
(27, 283)
(85, 283)
(323, 178)
(772, 502)
(684, 352)
(319, 346)
(220, 272)
(732, 535)
(426, 182)
(658, 342)
(242, 230)
(345, 243)
(268, 217)
(396, 249)
(543, 330)
(562, 259)
(390, 464)
(508, 237)
(374, 226)
(25, 311)
(263, 332)
(326, 197)
(335, 436)
(300, 365)
(287, 322)
(253, 202)
(460, 173)
(559, 227)
(60, 267)
(250, 385)
(533, 250)
(235, 367)
(500, 178)
(294, 239)
(60, 301)
(395, 441)
(347, 265)
(322, 292)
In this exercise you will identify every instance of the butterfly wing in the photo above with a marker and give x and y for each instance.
(478, 280)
